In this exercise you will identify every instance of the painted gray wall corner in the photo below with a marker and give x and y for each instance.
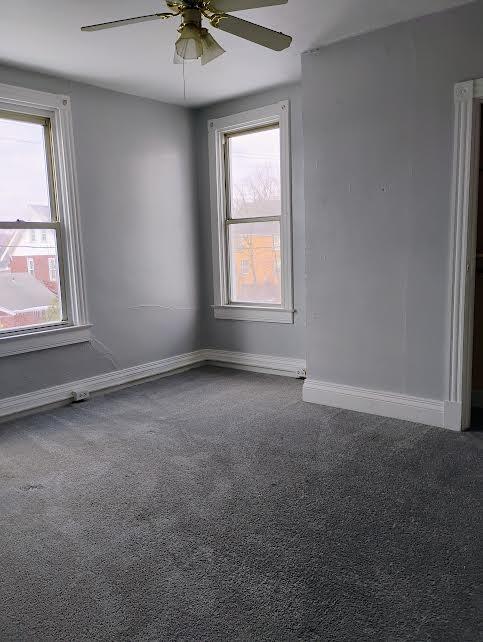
(138, 215)
(378, 129)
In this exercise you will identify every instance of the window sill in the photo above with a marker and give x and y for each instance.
(248, 313)
(43, 339)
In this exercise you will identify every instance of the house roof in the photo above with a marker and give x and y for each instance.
(21, 291)
(9, 241)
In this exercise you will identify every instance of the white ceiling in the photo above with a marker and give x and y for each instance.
(45, 36)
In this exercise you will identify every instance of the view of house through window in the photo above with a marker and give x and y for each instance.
(30, 292)
(253, 216)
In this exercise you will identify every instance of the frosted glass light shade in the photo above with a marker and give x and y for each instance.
(211, 49)
(189, 46)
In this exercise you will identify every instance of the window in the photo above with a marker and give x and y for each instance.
(52, 269)
(27, 206)
(244, 267)
(41, 278)
(251, 222)
(30, 266)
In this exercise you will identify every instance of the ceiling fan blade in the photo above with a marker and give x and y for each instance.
(240, 5)
(127, 21)
(255, 33)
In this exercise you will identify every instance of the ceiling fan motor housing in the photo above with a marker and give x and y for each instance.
(191, 17)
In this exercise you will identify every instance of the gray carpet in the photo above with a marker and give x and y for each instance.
(215, 505)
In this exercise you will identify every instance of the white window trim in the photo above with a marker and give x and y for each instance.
(58, 109)
(468, 101)
(223, 309)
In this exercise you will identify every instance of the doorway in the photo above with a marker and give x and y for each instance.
(468, 98)
(477, 354)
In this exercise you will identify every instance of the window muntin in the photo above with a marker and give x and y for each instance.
(29, 226)
(253, 215)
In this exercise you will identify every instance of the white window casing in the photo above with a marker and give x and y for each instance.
(75, 326)
(277, 114)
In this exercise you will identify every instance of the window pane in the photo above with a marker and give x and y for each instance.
(24, 182)
(254, 166)
(255, 267)
(29, 280)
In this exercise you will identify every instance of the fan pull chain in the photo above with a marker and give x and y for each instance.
(184, 82)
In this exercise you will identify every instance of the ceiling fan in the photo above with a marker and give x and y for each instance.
(195, 42)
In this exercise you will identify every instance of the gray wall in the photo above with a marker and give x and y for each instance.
(378, 119)
(377, 124)
(138, 217)
(260, 338)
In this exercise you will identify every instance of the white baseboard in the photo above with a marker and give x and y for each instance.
(453, 415)
(267, 364)
(425, 411)
(387, 404)
(57, 395)
(108, 380)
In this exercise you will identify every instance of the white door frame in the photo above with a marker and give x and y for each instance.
(464, 200)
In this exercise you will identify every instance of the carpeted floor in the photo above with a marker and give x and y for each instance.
(215, 505)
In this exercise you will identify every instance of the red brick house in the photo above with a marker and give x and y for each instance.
(29, 279)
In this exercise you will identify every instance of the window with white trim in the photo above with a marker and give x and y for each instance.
(41, 277)
(251, 215)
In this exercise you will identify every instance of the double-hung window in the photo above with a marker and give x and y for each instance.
(251, 215)
(42, 299)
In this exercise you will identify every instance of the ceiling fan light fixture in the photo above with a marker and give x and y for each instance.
(211, 49)
(194, 41)
(189, 45)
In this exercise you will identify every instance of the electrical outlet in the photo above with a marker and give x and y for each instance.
(80, 395)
